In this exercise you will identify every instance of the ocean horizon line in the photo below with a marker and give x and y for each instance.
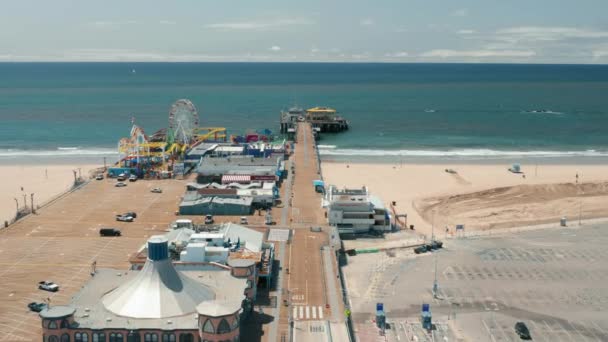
(290, 62)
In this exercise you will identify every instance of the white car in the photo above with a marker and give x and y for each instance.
(124, 218)
(244, 220)
(157, 190)
(99, 176)
(48, 286)
(132, 178)
(120, 184)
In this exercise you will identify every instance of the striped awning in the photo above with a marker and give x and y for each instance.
(242, 179)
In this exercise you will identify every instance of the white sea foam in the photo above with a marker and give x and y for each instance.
(59, 152)
(483, 153)
(325, 147)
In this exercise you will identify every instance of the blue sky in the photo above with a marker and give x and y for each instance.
(521, 31)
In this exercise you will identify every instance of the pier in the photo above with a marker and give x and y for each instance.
(61, 243)
(311, 292)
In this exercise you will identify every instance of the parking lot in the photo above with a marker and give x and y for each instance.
(62, 240)
(554, 280)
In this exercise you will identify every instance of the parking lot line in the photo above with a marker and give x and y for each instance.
(483, 321)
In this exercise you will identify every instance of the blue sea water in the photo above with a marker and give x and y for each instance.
(395, 110)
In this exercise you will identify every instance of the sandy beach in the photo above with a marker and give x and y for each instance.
(45, 181)
(480, 196)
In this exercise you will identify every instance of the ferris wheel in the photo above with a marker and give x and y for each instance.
(183, 120)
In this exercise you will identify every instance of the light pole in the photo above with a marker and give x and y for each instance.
(17, 203)
(433, 227)
(32, 198)
(580, 211)
(24, 201)
(435, 286)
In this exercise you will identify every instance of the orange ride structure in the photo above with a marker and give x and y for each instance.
(167, 144)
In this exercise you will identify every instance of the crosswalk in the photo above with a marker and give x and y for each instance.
(307, 312)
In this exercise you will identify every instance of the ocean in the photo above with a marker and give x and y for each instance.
(53, 111)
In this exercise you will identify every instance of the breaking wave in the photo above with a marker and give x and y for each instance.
(458, 153)
(59, 152)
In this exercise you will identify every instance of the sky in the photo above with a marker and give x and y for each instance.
(476, 31)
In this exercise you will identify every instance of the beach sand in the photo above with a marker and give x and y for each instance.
(45, 181)
(547, 192)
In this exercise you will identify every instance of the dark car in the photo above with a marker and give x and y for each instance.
(434, 245)
(522, 330)
(420, 249)
(37, 307)
(109, 232)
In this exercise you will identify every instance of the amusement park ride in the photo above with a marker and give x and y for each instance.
(152, 153)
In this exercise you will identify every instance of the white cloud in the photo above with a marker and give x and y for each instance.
(166, 22)
(110, 25)
(314, 50)
(462, 12)
(445, 53)
(465, 31)
(399, 54)
(275, 48)
(366, 22)
(547, 33)
(259, 25)
(104, 25)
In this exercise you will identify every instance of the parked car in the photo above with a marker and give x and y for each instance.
(420, 249)
(109, 232)
(121, 177)
(157, 190)
(124, 218)
(48, 286)
(130, 213)
(99, 176)
(120, 184)
(522, 330)
(37, 307)
(209, 219)
(132, 178)
(244, 220)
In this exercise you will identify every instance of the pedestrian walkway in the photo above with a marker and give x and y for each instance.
(307, 312)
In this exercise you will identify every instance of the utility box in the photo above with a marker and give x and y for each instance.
(380, 316)
(426, 317)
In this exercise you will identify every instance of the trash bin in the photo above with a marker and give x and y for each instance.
(411, 226)
(562, 222)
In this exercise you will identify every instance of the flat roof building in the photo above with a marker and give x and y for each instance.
(355, 211)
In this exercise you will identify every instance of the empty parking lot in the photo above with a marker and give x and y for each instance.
(554, 280)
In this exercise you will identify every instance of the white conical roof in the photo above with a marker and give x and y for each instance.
(157, 291)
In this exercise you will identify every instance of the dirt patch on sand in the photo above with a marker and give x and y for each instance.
(515, 206)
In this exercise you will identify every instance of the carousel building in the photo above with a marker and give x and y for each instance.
(156, 304)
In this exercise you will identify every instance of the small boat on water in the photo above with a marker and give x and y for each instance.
(428, 110)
